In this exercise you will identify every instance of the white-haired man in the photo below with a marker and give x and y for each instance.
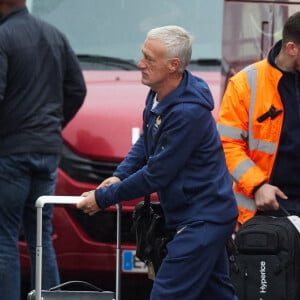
(179, 156)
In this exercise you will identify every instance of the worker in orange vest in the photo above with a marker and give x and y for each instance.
(259, 124)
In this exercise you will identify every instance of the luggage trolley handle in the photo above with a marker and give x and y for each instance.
(40, 203)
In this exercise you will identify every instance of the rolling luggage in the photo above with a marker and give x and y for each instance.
(266, 261)
(87, 291)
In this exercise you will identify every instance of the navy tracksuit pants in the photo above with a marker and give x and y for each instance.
(196, 266)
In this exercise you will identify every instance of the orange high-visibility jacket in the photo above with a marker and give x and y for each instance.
(250, 145)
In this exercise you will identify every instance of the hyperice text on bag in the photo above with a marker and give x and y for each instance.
(265, 264)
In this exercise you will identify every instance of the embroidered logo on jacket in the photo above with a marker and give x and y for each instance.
(157, 121)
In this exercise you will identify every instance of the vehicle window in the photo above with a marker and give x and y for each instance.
(117, 28)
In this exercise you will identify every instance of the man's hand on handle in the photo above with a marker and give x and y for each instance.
(89, 204)
(266, 197)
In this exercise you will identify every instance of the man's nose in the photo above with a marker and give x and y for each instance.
(141, 64)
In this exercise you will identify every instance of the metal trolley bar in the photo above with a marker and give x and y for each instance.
(40, 203)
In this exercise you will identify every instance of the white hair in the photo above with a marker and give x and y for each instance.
(178, 43)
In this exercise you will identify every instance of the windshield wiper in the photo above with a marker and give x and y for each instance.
(206, 62)
(109, 61)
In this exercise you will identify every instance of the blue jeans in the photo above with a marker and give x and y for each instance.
(23, 178)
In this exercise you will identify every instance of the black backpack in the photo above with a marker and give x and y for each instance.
(266, 261)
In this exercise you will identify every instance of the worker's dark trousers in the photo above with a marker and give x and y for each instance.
(196, 267)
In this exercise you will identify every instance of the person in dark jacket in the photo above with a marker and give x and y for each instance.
(179, 156)
(41, 89)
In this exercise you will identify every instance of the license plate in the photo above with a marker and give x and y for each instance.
(130, 263)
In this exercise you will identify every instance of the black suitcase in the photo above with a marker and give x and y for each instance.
(87, 291)
(266, 261)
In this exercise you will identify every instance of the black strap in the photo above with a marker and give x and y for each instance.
(147, 201)
(284, 210)
(147, 206)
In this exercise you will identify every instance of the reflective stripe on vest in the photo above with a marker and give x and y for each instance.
(232, 132)
(245, 202)
(253, 144)
(241, 168)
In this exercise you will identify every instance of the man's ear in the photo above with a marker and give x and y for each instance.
(174, 64)
(291, 49)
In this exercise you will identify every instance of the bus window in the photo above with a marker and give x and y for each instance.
(250, 28)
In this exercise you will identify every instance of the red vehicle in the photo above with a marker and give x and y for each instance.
(107, 37)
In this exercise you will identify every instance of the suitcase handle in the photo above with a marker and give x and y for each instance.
(76, 283)
(42, 200)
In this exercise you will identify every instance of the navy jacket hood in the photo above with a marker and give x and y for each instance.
(191, 90)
